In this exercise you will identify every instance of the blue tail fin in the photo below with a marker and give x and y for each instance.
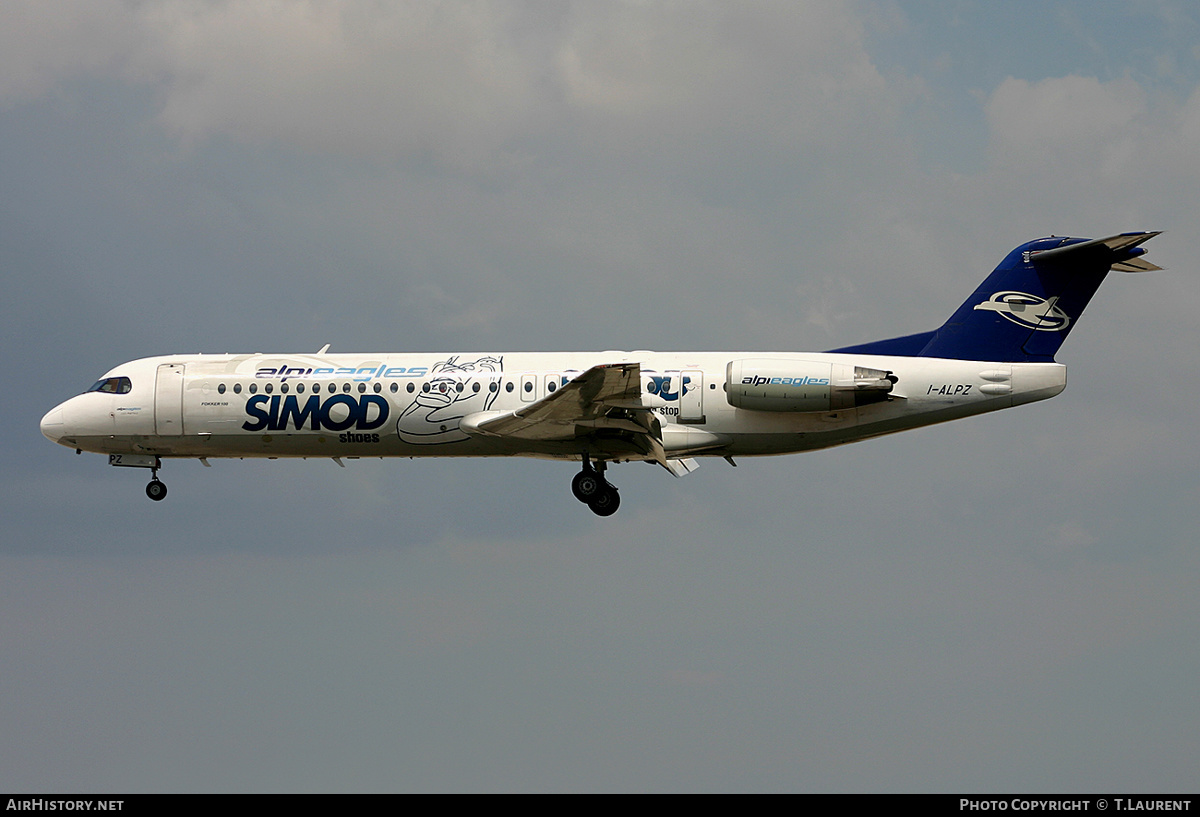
(1026, 308)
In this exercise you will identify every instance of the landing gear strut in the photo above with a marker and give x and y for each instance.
(157, 489)
(590, 488)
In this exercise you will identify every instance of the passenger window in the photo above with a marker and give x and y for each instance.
(299, 388)
(508, 386)
(221, 389)
(268, 388)
(411, 388)
(284, 388)
(237, 388)
(345, 387)
(254, 388)
(362, 387)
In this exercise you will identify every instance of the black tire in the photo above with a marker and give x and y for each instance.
(606, 502)
(586, 485)
(156, 490)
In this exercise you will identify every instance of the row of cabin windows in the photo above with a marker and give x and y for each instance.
(332, 388)
(268, 388)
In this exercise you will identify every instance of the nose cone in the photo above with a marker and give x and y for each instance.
(52, 424)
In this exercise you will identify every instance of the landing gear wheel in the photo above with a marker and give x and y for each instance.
(606, 501)
(156, 490)
(586, 485)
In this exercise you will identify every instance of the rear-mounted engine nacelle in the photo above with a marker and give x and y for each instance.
(801, 385)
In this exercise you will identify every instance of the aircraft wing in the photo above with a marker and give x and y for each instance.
(606, 396)
(602, 407)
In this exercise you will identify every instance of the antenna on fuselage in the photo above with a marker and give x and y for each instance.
(324, 349)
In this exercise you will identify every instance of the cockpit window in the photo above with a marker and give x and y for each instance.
(113, 385)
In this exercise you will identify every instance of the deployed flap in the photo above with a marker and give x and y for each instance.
(680, 468)
(583, 404)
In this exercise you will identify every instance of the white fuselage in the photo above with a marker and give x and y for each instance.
(413, 405)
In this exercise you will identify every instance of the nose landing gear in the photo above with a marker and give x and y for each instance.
(590, 488)
(157, 489)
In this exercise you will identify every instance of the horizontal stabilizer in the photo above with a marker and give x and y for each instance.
(1124, 247)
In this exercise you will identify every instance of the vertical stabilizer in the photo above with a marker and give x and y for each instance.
(1030, 303)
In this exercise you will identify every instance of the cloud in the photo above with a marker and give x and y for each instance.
(771, 70)
(362, 79)
(469, 83)
(1076, 139)
(1067, 121)
(42, 44)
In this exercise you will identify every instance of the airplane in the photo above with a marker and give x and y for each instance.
(596, 408)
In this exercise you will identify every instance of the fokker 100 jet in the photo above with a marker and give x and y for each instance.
(596, 408)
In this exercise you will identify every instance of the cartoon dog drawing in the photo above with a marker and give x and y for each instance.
(454, 391)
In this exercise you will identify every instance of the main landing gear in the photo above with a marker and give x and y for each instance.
(590, 488)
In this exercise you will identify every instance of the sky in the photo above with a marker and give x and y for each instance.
(1004, 603)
